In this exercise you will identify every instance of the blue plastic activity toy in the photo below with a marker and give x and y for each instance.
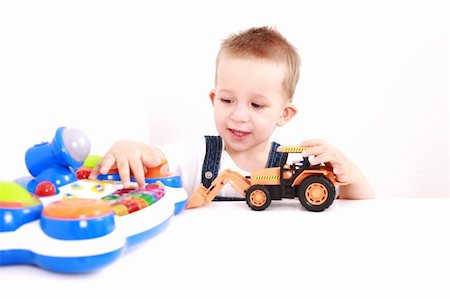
(79, 225)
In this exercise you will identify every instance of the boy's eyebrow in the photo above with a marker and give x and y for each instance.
(254, 95)
(259, 96)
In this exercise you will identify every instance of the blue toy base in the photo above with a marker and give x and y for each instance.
(81, 255)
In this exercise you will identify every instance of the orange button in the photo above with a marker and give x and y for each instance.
(157, 172)
(77, 208)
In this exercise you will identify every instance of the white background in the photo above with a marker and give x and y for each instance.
(374, 80)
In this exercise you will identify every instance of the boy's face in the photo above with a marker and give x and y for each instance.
(249, 102)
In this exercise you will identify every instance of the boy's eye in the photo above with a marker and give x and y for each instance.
(226, 100)
(258, 106)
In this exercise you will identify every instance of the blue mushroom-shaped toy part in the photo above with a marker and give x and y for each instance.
(56, 162)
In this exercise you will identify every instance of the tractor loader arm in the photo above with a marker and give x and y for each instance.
(203, 195)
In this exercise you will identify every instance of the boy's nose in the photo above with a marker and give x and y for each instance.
(239, 114)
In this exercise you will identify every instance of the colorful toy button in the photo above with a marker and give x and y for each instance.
(129, 200)
(83, 173)
(45, 188)
(17, 206)
(77, 218)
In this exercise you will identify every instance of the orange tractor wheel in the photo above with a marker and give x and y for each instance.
(316, 193)
(257, 197)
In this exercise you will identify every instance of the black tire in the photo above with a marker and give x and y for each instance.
(258, 197)
(316, 193)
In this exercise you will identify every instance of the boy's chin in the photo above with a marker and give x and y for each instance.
(237, 146)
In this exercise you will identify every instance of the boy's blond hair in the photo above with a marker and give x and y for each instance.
(265, 43)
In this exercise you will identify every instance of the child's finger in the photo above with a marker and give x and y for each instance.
(94, 172)
(138, 172)
(123, 168)
(102, 167)
(107, 162)
(321, 158)
(165, 170)
(313, 151)
(151, 161)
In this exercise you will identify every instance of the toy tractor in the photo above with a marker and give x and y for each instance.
(315, 186)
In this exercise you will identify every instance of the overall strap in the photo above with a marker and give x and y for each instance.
(274, 157)
(211, 164)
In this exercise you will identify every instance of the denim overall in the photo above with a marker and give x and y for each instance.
(211, 164)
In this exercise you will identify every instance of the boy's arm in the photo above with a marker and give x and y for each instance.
(129, 156)
(358, 187)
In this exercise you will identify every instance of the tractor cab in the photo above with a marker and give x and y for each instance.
(292, 164)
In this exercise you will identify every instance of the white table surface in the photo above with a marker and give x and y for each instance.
(379, 248)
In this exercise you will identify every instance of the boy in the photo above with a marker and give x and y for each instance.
(256, 74)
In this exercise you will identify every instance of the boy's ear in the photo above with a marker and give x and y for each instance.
(289, 111)
(212, 95)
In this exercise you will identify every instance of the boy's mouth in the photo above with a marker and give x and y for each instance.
(238, 134)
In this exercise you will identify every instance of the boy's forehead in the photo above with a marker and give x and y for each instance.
(250, 66)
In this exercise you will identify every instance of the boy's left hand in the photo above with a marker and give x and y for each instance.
(324, 152)
(344, 169)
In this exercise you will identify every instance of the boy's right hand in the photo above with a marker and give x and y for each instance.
(129, 156)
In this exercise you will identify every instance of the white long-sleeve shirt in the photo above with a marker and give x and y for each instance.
(185, 158)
